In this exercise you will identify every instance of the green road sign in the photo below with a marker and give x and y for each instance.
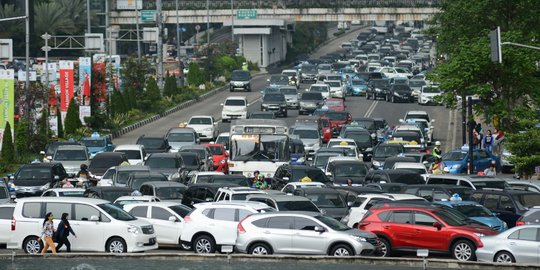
(246, 14)
(148, 15)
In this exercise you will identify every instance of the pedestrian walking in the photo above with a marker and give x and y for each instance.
(488, 141)
(63, 231)
(47, 234)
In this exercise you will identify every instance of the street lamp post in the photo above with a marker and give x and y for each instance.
(159, 19)
(27, 60)
(178, 40)
(46, 37)
(88, 26)
(207, 21)
(138, 34)
(232, 21)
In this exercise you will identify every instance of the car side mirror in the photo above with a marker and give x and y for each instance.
(437, 225)
(267, 80)
(94, 218)
(328, 173)
(209, 199)
(49, 157)
(350, 204)
(173, 219)
(319, 229)
(56, 177)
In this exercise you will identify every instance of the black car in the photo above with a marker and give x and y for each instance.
(399, 92)
(383, 151)
(154, 144)
(342, 170)
(377, 88)
(294, 173)
(202, 192)
(438, 192)
(103, 161)
(137, 179)
(192, 162)
(387, 187)
(309, 102)
(363, 139)
(274, 102)
(169, 164)
(164, 190)
(403, 176)
(262, 115)
(240, 79)
(367, 123)
(508, 205)
(33, 179)
(229, 179)
(109, 193)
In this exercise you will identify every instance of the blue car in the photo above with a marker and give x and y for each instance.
(358, 87)
(456, 160)
(478, 213)
(97, 144)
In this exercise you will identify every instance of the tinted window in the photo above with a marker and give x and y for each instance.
(6, 212)
(84, 212)
(528, 234)
(384, 216)
(490, 201)
(62, 155)
(297, 206)
(34, 173)
(409, 179)
(32, 210)
(162, 163)
(403, 217)
(180, 210)
(279, 223)
(131, 154)
(261, 223)
(304, 224)
(238, 75)
(226, 214)
(160, 213)
(311, 96)
(139, 211)
(423, 219)
(235, 102)
(181, 137)
(58, 208)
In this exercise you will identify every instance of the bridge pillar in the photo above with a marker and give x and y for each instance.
(263, 41)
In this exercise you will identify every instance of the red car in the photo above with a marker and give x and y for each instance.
(335, 104)
(219, 156)
(436, 228)
(338, 119)
(326, 128)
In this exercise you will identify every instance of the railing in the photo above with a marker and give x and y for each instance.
(284, 4)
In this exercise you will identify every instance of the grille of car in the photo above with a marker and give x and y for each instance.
(147, 229)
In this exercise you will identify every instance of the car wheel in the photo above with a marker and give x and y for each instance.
(342, 250)
(504, 257)
(116, 245)
(204, 244)
(32, 245)
(260, 249)
(285, 114)
(385, 249)
(463, 250)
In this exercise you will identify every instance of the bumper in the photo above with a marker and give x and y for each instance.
(240, 86)
(310, 151)
(337, 94)
(28, 191)
(229, 116)
(358, 92)
(363, 248)
(277, 110)
(141, 242)
(307, 109)
(403, 98)
(292, 104)
(482, 255)
(205, 134)
(307, 78)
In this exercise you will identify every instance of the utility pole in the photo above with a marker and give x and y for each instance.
(232, 21)
(138, 33)
(107, 32)
(159, 17)
(27, 60)
(463, 119)
(208, 22)
(46, 37)
(88, 26)
(471, 139)
(178, 30)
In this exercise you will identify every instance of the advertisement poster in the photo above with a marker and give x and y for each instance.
(85, 80)
(84, 111)
(99, 82)
(7, 99)
(66, 84)
(53, 124)
(21, 75)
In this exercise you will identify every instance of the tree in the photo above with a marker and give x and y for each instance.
(8, 151)
(21, 137)
(51, 18)
(152, 92)
(525, 148)
(117, 103)
(41, 138)
(195, 76)
(72, 122)
(170, 88)
(60, 125)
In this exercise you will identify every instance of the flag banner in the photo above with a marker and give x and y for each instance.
(66, 84)
(7, 101)
(85, 80)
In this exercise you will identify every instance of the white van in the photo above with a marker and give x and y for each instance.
(234, 108)
(99, 225)
(134, 152)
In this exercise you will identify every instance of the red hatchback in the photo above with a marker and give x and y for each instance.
(219, 156)
(335, 104)
(338, 119)
(438, 229)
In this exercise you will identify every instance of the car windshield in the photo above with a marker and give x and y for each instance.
(263, 115)
(473, 210)
(116, 212)
(151, 143)
(407, 136)
(417, 83)
(490, 184)
(526, 201)
(454, 156)
(240, 76)
(334, 84)
(279, 79)
(162, 163)
(350, 170)
(190, 160)
(65, 155)
(316, 175)
(379, 83)
(319, 89)
(431, 90)
(312, 96)
(131, 154)
(341, 116)
(180, 210)
(358, 82)
(216, 150)
(332, 223)
(333, 102)
(34, 173)
(450, 218)
(289, 73)
(358, 137)
(123, 176)
(407, 178)
(71, 193)
(401, 88)
(223, 140)
(288, 91)
(386, 151)
(322, 160)
(308, 69)
(200, 152)
(327, 200)
(295, 205)
(259, 147)
(241, 181)
(170, 193)
(181, 137)
(367, 124)
(272, 97)
(94, 142)
(200, 121)
(235, 102)
(306, 133)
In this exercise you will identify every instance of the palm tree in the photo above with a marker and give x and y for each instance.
(76, 11)
(52, 18)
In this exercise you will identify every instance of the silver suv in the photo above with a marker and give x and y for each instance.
(301, 233)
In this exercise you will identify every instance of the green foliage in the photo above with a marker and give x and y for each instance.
(117, 103)
(41, 138)
(170, 88)
(21, 137)
(8, 150)
(195, 76)
(525, 148)
(307, 36)
(60, 125)
(134, 74)
(72, 121)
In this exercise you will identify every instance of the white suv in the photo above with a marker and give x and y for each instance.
(235, 193)
(205, 126)
(234, 108)
(212, 225)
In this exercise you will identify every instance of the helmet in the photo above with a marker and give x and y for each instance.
(256, 172)
(84, 167)
(438, 143)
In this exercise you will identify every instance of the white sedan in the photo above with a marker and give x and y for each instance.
(205, 126)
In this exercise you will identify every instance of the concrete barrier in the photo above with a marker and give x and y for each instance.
(375, 261)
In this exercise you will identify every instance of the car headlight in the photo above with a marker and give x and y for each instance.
(359, 239)
(264, 105)
(456, 166)
(282, 105)
(479, 234)
(134, 229)
(376, 163)
(208, 129)
(396, 94)
(45, 187)
(505, 225)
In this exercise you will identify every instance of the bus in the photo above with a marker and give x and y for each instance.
(258, 145)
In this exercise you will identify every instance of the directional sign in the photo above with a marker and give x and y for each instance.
(246, 14)
(148, 15)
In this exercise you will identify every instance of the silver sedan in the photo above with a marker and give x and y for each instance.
(520, 244)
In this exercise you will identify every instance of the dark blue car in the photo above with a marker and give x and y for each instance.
(456, 160)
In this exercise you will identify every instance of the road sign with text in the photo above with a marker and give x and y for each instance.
(148, 15)
(246, 14)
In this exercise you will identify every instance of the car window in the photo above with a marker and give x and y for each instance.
(83, 212)
(242, 213)
(57, 209)
(403, 217)
(225, 214)
(139, 211)
(109, 174)
(6, 212)
(490, 201)
(301, 223)
(423, 219)
(261, 223)
(527, 234)
(483, 154)
(476, 197)
(506, 204)
(160, 213)
(32, 210)
(279, 223)
(384, 216)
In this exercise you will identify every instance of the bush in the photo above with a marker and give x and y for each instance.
(195, 76)
(8, 152)
(21, 138)
(170, 88)
(72, 121)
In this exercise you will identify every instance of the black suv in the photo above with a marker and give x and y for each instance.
(240, 79)
(156, 144)
(377, 88)
(508, 205)
(403, 176)
(274, 102)
(294, 173)
(33, 179)
(400, 92)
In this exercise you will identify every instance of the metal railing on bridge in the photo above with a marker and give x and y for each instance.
(284, 4)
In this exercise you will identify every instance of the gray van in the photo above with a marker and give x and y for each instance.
(179, 137)
(240, 79)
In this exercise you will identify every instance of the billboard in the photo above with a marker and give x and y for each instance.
(128, 4)
(7, 99)
(66, 84)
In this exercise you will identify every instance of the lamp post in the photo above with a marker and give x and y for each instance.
(138, 34)
(88, 26)
(46, 49)
(208, 22)
(177, 31)
(232, 21)
(27, 60)
(159, 18)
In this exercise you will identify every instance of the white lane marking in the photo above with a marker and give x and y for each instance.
(371, 108)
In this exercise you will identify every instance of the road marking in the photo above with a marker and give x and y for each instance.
(371, 109)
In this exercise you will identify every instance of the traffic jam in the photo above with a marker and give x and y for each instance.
(294, 173)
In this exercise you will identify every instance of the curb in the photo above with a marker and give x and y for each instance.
(181, 106)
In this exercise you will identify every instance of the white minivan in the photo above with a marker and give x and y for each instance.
(234, 108)
(99, 225)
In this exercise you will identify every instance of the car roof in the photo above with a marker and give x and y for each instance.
(287, 213)
(414, 165)
(41, 164)
(71, 146)
(164, 155)
(200, 116)
(236, 97)
(132, 168)
(62, 199)
(181, 130)
(164, 184)
(128, 147)
(279, 197)
(65, 189)
(163, 204)
(256, 205)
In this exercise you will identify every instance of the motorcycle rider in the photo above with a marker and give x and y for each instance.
(437, 150)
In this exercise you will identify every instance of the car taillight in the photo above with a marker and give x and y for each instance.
(13, 223)
(187, 219)
(240, 228)
(520, 223)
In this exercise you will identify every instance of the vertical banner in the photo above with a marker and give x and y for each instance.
(7, 101)
(66, 84)
(100, 82)
(85, 80)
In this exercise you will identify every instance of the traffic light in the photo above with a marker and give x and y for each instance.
(495, 45)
